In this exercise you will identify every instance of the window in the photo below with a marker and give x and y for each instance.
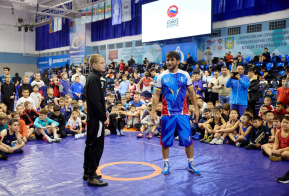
(95, 48)
(67, 51)
(51, 53)
(281, 24)
(128, 44)
(103, 47)
(216, 33)
(149, 44)
(120, 45)
(254, 28)
(138, 43)
(234, 31)
(111, 46)
(42, 55)
(62, 53)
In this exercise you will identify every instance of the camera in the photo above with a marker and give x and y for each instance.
(197, 86)
(234, 77)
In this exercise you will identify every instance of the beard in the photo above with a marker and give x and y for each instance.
(172, 67)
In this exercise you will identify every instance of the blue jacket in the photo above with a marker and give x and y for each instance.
(64, 88)
(202, 85)
(123, 87)
(44, 123)
(76, 88)
(239, 90)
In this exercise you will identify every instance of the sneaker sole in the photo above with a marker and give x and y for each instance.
(284, 182)
(165, 173)
(193, 172)
(274, 158)
(98, 185)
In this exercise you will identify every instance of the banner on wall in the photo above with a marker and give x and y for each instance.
(59, 23)
(95, 12)
(83, 16)
(108, 9)
(125, 10)
(183, 49)
(89, 14)
(51, 25)
(53, 61)
(250, 44)
(101, 11)
(153, 53)
(116, 12)
(55, 21)
(77, 41)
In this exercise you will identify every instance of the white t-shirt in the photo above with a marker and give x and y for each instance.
(74, 123)
(22, 100)
(36, 98)
(39, 84)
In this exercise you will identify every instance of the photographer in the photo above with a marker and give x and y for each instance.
(239, 84)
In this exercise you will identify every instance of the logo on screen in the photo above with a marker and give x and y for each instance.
(50, 61)
(173, 11)
(229, 43)
(178, 50)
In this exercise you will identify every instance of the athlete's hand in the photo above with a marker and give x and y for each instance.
(197, 113)
(154, 117)
(107, 121)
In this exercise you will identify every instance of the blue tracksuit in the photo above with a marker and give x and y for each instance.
(123, 87)
(64, 88)
(76, 88)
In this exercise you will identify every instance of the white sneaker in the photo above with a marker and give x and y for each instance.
(80, 135)
(219, 142)
(214, 141)
(177, 138)
(49, 140)
(57, 139)
(238, 144)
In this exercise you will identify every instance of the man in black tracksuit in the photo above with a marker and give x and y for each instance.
(8, 92)
(96, 118)
(57, 116)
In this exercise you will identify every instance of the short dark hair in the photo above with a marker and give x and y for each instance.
(265, 48)
(12, 121)
(118, 102)
(201, 98)
(267, 112)
(247, 116)
(278, 117)
(256, 118)
(35, 86)
(286, 118)
(132, 106)
(8, 68)
(56, 108)
(280, 103)
(217, 71)
(251, 70)
(173, 54)
(206, 110)
(250, 110)
(226, 106)
(216, 109)
(76, 107)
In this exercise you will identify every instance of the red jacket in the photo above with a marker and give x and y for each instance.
(55, 89)
(283, 95)
(121, 66)
(282, 113)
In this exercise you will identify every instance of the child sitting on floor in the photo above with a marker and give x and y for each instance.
(10, 135)
(74, 125)
(267, 103)
(57, 116)
(200, 129)
(231, 127)
(259, 134)
(26, 97)
(132, 117)
(25, 133)
(49, 99)
(30, 111)
(269, 119)
(244, 131)
(212, 125)
(24, 116)
(280, 149)
(45, 127)
(3, 121)
(276, 126)
(36, 96)
(116, 121)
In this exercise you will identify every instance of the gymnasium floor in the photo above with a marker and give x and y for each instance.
(56, 169)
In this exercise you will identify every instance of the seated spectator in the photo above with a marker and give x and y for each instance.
(200, 129)
(249, 111)
(267, 103)
(36, 96)
(244, 131)
(30, 111)
(49, 108)
(21, 101)
(148, 125)
(267, 76)
(8, 136)
(64, 85)
(110, 101)
(116, 90)
(24, 132)
(229, 58)
(283, 92)
(280, 149)
(116, 121)
(259, 134)
(132, 88)
(231, 128)
(202, 105)
(265, 57)
(49, 99)
(226, 112)
(240, 58)
(4, 108)
(74, 125)
(197, 70)
(25, 85)
(45, 127)
(140, 106)
(279, 110)
(136, 77)
(210, 106)
(37, 80)
(123, 87)
(80, 104)
(212, 125)
(262, 110)
(76, 89)
(124, 103)
(57, 116)
(269, 119)
(54, 84)
(3, 121)
(145, 82)
(276, 126)
(221, 63)
(199, 85)
(64, 106)
(127, 96)
(24, 116)
(132, 117)
(234, 65)
(218, 103)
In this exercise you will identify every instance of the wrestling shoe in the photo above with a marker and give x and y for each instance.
(204, 139)
(95, 182)
(166, 169)
(219, 142)
(275, 158)
(209, 139)
(177, 138)
(213, 141)
(284, 179)
(193, 169)
(86, 176)
(150, 136)
(238, 144)
(197, 136)
(140, 135)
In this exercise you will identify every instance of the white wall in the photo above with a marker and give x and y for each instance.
(10, 37)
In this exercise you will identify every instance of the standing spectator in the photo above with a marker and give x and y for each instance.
(214, 95)
(234, 65)
(221, 63)
(200, 86)
(25, 85)
(197, 70)
(206, 78)
(146, 83)
(265, 57)
(229, 58)
(239, 91)
(131, 61)
(224, 92)
(123, 87)
(64, 86)
(140, 106)
(54, 84)
(132, 88)
(82, 78)
(122, 66)
(240, 58)
(37, 80)
(253, 90)
(8, 92)
(155, 76)
(76, 89)
(208, 54)
(283, 92)
(190, 59)
(45, 78)
(16, 80)
(6, 73)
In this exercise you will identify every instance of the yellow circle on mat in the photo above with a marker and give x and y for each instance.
(155, 173)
